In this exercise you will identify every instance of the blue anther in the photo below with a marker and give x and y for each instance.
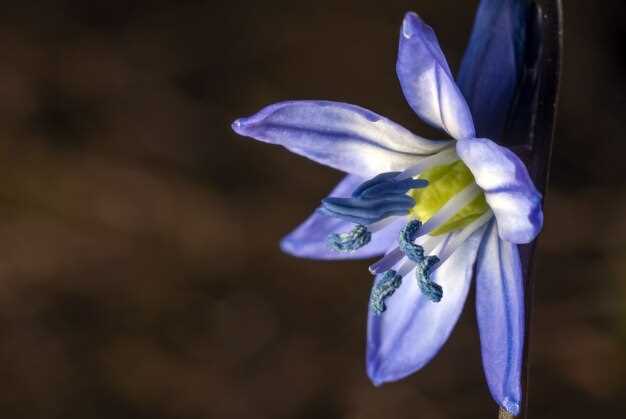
(430, 289)
(415, 252)
(374, 200)
(351, 241)
(386, 184)
(367, 211)
(384, 286)
(376, 180)
(407, 235)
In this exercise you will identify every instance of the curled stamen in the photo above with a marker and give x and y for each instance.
(430, 289)
(351, 241)
(385, 285)
(423, 264)
(407, 235)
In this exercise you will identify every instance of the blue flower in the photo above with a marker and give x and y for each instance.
(437, 210)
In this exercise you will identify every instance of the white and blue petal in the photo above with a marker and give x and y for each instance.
(345, 137)
(309, 240)
(427, 82)
(500, 314)
(490, 69)
(413, 328)
(509, 191)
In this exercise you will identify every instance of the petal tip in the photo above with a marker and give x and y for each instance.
(374, 374)
(249, 124)
(409, 24)
(237, 125)
(288, 247)
(529, 232)
(244, 126)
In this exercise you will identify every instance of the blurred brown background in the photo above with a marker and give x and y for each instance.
(139, 270)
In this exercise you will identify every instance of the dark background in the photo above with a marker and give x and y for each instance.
(139, 270)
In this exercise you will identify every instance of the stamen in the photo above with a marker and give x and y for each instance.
(429, 246)
(450, 208)
(351, 241)
(461, 236)
(444, 157)
(423, 269)
(406, 267)
(408, 234)
(384, 286)
(430, 289)
(367, 211)
(423, 264)
(373, 228)
(386, 184)
(381, 197)
(393, 257)
(390, 188)
(383, 177)
(387, 262)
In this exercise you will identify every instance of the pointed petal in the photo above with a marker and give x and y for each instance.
(500, 313)
(342, 136)
(509, 191)
(412, 329)
(491, 66)
(427, 82)
(309, 240)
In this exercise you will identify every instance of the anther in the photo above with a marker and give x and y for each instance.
(408, 234)
(351, 241)
(385, 285)
(430, 289)
(374, 200)
(423, 264)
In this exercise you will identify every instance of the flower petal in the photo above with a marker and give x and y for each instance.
(412, 329)
(509, 191)
(427, 82)
(309, 240)
(491, 66)
(500, 313)
(346, 137)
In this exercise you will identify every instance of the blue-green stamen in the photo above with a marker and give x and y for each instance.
(424, 263)
(351, 241)
(430, 289)
(385, 285)
(407, 235)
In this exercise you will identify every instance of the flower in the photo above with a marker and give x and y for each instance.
(434, 209)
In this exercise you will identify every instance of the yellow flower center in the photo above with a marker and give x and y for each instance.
(443, 183)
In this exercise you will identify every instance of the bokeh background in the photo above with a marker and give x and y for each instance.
(139, 270)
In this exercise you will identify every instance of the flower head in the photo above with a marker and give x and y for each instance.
(433, 208)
